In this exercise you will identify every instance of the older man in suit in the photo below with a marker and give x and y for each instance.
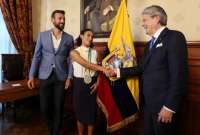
(50, 64)
(164, 73)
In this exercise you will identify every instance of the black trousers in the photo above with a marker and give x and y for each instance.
(153, 127)
(52, 102)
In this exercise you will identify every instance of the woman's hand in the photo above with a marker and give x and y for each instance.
(75, 56)
(93, 88)
(109, 72)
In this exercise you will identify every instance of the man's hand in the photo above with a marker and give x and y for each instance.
(31, 83)
(67, 84)
(165, 116)
(111, 72)
(105, 70)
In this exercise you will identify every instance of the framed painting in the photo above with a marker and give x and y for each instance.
(99, 15)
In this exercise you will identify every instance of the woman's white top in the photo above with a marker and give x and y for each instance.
(79, 70)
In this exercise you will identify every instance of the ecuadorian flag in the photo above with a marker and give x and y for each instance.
(119, 98)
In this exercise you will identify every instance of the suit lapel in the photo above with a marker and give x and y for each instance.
(150, 52)
(51, 41)
(147, 55)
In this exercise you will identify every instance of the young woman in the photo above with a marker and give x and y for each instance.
(84, 59)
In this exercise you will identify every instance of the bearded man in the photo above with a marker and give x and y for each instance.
(50, 64)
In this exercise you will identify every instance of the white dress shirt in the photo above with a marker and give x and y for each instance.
(79, 70)
(157, 34)
(56, 41)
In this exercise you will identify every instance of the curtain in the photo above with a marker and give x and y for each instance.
(7, 46)
(18, 19)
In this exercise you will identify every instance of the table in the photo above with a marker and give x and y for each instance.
(15, 90)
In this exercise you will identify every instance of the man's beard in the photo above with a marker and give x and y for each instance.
(60, 26)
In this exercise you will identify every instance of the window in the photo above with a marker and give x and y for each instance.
(6, 44)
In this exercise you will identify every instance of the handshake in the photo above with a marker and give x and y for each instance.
(110, 72)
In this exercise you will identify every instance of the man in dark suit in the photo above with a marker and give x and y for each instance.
(164, 73)
(50, 64)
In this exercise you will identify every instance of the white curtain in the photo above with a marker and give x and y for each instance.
(6, 45)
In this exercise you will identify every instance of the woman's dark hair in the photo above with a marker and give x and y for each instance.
(79, 40)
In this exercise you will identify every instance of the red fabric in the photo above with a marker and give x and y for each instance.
(105, 95)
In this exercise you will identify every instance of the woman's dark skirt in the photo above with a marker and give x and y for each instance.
(84, 102)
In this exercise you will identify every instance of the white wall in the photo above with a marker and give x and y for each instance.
(42, 10)
(182, 15)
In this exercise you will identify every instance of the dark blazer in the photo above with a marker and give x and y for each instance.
(45, 57)
(164, 71)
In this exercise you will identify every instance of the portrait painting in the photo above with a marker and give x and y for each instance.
(99, 15)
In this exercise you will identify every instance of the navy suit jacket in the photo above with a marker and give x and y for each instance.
(164, 71)
(46, 58)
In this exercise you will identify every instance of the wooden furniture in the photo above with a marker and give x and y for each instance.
(15, 90)
(12, 67)
(9, 92)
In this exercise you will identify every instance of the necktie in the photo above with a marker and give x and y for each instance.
(151, 42)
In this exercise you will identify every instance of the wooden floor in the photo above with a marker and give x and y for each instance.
(28, 122)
